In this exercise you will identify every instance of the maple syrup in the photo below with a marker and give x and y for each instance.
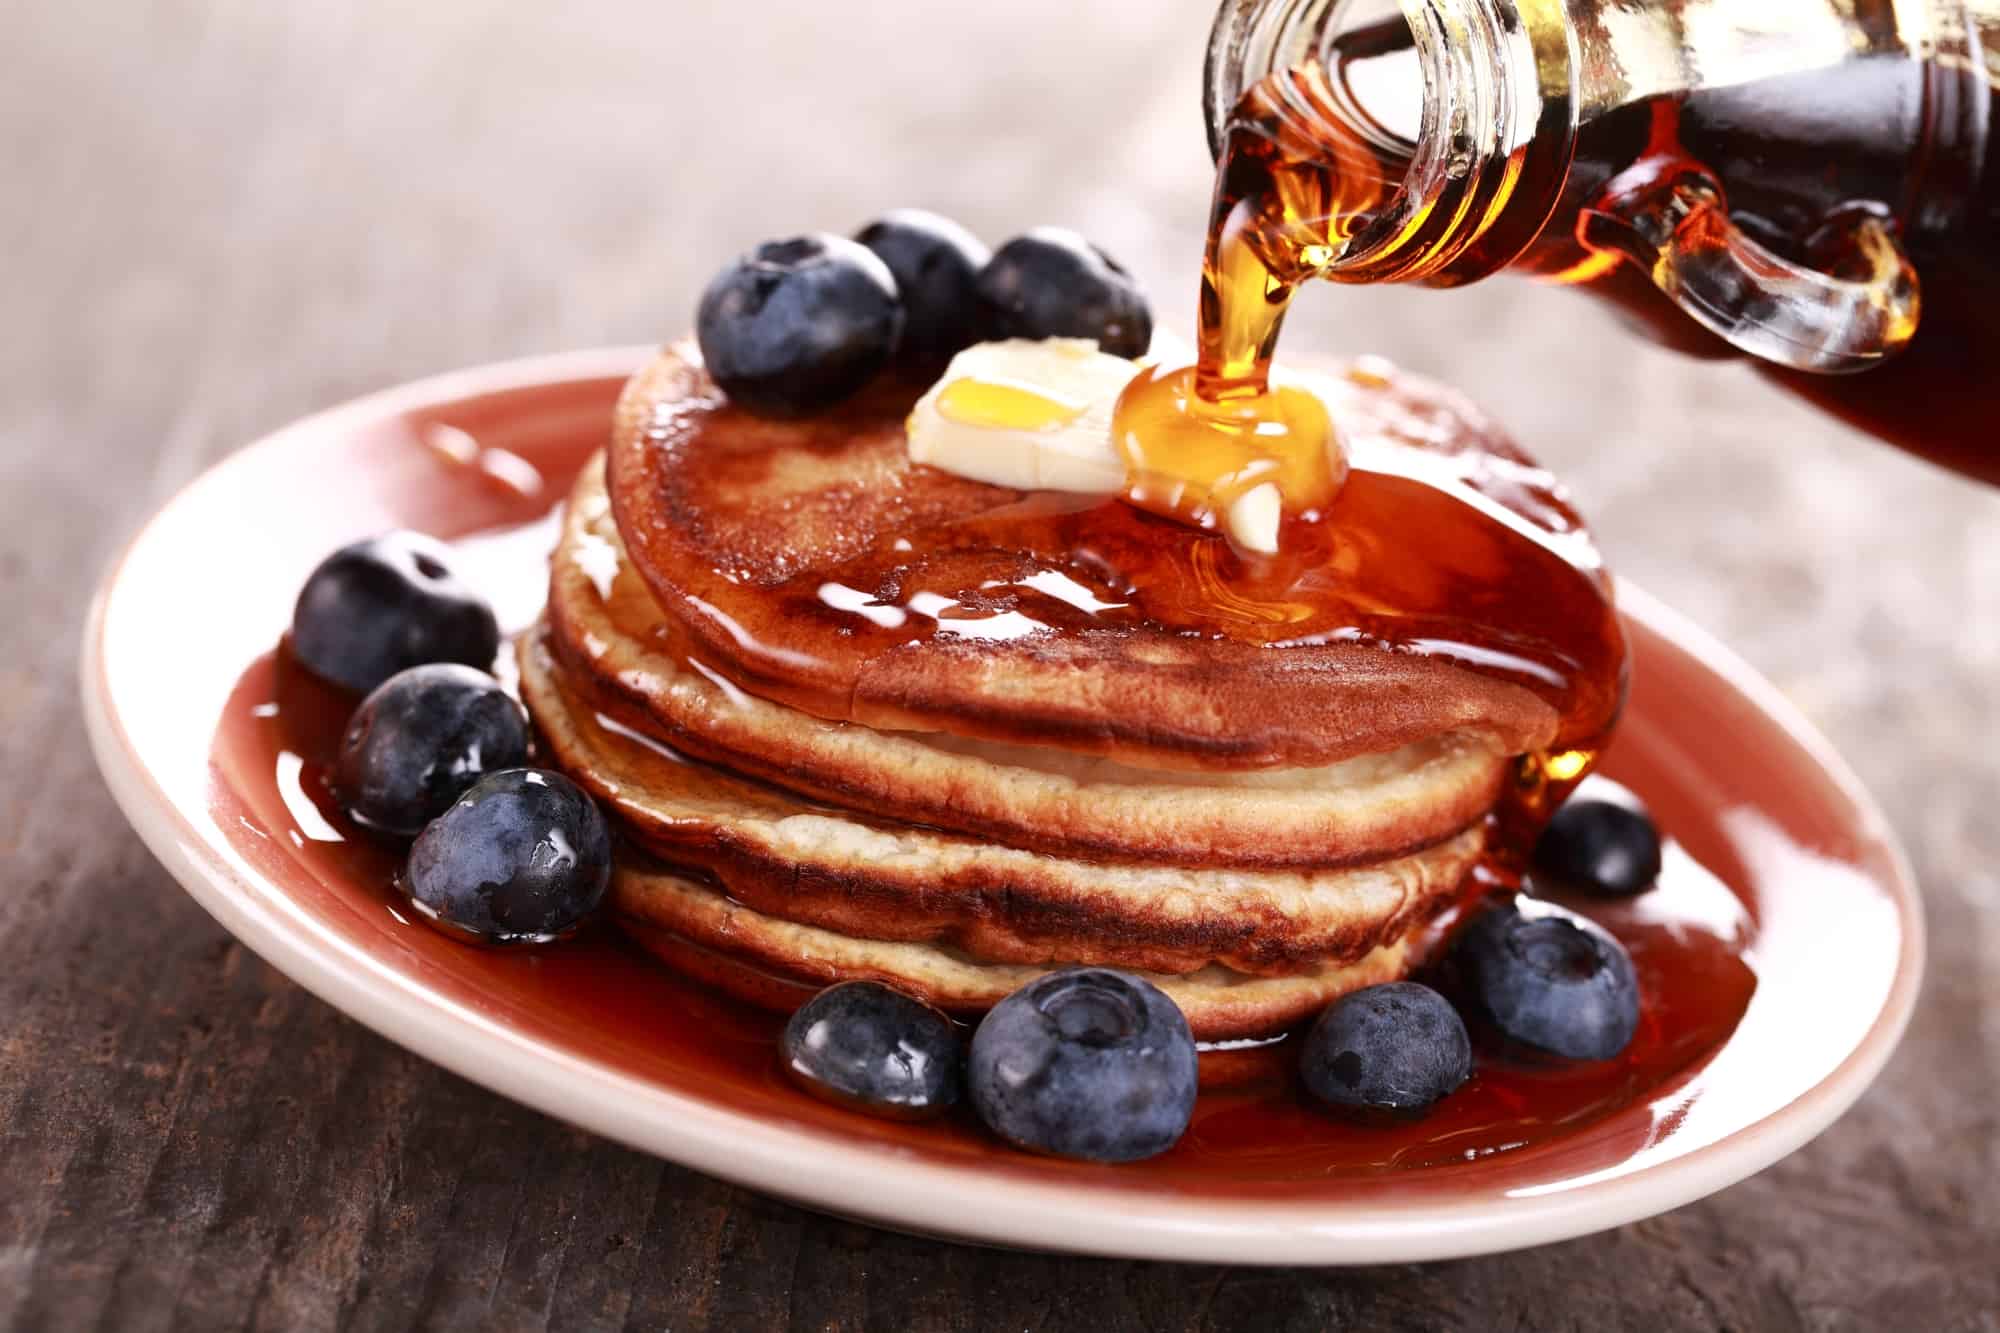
(1287, 198)
(1692, 943)
(1364, 546)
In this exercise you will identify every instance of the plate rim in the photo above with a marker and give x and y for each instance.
(870, 1182)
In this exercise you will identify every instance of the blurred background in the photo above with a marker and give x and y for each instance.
(217, 215)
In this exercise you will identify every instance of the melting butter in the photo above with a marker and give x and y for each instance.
(1238, 463)
(1000, 405)
(1060, 414)
(1027, 415)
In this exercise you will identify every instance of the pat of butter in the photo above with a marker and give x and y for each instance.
(1028, 415)
(998, 405)
(1036, 416)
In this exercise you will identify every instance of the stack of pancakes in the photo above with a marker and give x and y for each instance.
(853, 725)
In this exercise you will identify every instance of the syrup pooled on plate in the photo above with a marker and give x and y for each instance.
(1691, 940)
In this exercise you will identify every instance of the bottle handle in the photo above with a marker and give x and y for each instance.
(1669, 216)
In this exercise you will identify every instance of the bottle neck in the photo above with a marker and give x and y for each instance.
(1478, 130)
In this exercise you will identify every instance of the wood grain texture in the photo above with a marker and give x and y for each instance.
(217, 216)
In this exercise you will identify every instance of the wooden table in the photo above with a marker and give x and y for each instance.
(217, 216)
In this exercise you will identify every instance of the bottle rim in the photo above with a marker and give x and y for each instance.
(1499, 90)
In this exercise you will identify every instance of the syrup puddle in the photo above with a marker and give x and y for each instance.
(1692, 941)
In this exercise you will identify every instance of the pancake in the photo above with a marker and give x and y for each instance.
(1225, 1062)
(862, 719)
(611, 638)
(824, 867)
(667, 912)
(812, 564)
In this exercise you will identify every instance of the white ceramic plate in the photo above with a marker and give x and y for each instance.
(1775, 849)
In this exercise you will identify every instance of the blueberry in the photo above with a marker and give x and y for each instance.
(389, 603)
(1085, 1063)
(798, 325)
(420, 740)
(1605, 847)
(1397, 1048)
(863, 1045)
(936, 264)
(1052, 283)
(1551, 981)
(521, 858)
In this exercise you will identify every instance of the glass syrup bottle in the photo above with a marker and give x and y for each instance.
(1814, 184)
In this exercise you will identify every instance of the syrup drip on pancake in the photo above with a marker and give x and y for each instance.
(1502, 580)
(1445, 545)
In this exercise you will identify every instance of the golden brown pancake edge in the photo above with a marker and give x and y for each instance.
(1220, 1005)
(876, 880)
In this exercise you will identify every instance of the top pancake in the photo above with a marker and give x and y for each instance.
(815, 565)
